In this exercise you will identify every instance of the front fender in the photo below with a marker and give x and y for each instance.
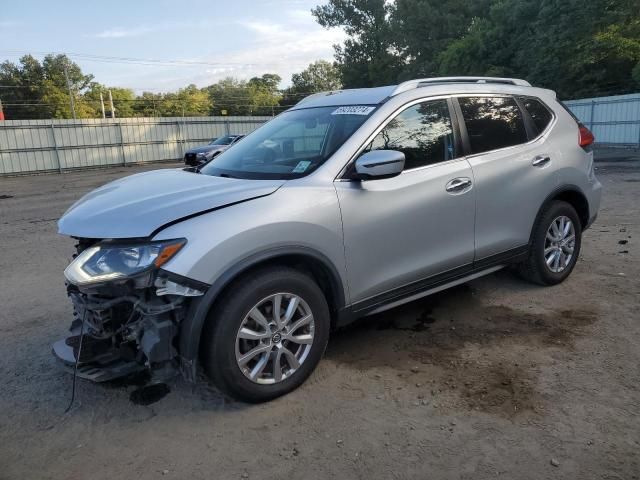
(295, 220)
(192, 325)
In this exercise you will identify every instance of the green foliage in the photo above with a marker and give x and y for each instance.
(264, 94)
(188, 102)
(123, 101)
(424, 28)
(635, 73)
(31, 90)
(367, 58)
(564, 45)
(319, 76)
(32, 84)
(258, 96)
(148, 104)
(579, 48)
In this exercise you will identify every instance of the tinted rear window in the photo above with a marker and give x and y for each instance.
(540, 114)
(492, 122)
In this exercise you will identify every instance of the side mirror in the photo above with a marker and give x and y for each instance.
(378, 164)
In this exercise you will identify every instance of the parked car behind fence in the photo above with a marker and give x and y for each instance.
(200, 155)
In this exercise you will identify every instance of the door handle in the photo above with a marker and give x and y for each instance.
(458, 185)
(540, 160)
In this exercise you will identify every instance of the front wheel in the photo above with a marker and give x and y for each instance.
(266, 334)
(555, 245)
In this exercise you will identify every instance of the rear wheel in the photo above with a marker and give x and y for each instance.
(266, 334)
(555, 245)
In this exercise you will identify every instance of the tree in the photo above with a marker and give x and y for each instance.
(319, 76)
(424, 28)
(147, 104)
(39, 90)
(577, 48)
(189, 102)
(258, 96)
(230, 95)
(124, 100)
(367, 58)
(22, 89)
(264, 95)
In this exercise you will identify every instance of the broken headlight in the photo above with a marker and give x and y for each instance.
(106, 262)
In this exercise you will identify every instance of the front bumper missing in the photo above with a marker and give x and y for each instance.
(129, 327)
(99, 370)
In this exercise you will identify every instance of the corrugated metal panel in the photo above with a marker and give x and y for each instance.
(56, 145)
(613, 120)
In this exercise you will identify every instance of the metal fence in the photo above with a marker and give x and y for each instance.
(613, 120)
(28, 146)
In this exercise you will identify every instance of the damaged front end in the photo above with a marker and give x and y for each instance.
(127, 310)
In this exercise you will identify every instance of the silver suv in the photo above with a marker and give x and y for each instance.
(350, 203)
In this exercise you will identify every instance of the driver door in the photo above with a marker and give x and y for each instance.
(404, 233)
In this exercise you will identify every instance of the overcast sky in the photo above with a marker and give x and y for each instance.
(239, 38)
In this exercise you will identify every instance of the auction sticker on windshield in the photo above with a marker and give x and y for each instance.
(353, 110)
(301, 167)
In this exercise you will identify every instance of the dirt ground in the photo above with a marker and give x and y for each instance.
(495, 379)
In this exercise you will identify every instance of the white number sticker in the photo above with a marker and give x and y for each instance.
(353, 110)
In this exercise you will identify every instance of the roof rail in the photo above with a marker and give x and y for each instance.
(326, 93)
(313, 95)
(419, 82)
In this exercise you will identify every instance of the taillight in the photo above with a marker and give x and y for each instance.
(585, 137)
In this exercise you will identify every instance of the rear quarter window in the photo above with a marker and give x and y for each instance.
(492, 122)
(538, 112)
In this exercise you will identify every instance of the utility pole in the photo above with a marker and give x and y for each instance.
(113, 110)
(102, 105)
(66, 76)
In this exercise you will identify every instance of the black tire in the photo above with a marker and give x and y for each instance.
(535, 268)
(218, 346)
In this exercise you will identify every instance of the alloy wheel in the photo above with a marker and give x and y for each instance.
(274, 338)
(559, 244)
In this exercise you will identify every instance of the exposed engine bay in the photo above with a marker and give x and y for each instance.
(125, 326)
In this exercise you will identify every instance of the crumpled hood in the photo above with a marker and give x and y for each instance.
(207, 149)
(137, 205)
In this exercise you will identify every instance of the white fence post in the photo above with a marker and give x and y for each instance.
(593, 109)
(55, 147)
(124, 157)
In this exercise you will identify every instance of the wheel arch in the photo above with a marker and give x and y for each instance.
(302, 258)
(571, 194)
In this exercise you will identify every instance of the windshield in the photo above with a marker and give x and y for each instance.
(291, 145)
(226, 140)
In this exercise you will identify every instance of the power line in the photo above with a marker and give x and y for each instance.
(282, 92)
(141, 61)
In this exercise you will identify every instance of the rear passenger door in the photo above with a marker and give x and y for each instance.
(513, 167)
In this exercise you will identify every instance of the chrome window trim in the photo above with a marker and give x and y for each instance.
(383, 124)
(549, 109)
(409, 104)
(509, 95)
